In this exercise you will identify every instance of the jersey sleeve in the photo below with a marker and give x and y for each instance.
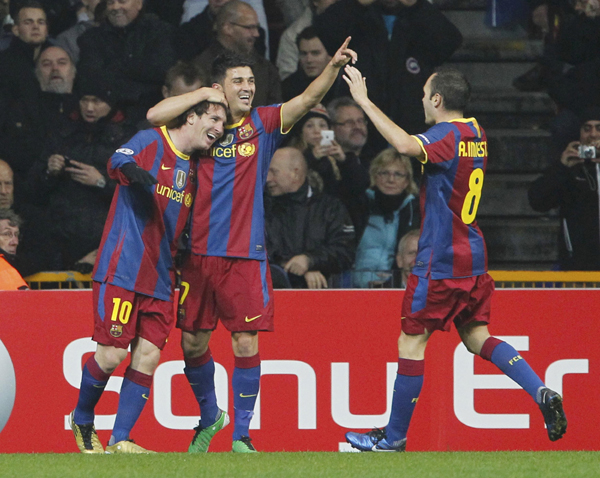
(131, 152)
(438, 144)
(272, 122)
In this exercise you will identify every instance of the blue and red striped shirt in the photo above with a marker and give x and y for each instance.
(228, 216)
(451, 244)
(144, 223)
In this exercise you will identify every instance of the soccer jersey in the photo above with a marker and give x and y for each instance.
(228, 215)
(451, 244)
(144, 223)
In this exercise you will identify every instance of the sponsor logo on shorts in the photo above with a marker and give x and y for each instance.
(116, 330)
(253, 318)
(246, 149)
(125, 151)
(248, 396)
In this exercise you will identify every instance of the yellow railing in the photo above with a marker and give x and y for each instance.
(546, 279)
(503, 279)
(59, 280)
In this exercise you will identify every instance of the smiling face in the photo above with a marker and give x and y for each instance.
(121, 13)
(590, 132)
(208, 127)
(239, 89)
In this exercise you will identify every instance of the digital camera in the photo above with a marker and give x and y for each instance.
(587, 152)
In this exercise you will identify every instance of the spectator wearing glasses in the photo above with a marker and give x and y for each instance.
(351, 128)
(342, 174)
(382, 216)
(237, 30)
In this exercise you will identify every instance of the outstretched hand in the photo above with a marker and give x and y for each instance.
(357, 84)
(135, 174)
(344, 55)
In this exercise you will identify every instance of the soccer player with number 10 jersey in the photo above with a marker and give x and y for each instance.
(449, 283)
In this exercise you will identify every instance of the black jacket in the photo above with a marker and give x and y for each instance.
(78, 212)
(132, 61)
(396, 69)
(574, 191)
(310, 223)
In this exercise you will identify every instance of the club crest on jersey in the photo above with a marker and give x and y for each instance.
(227, 140)
(245, 131)
(180, 179)
(246, 149)
(116, 330)
(188, 200)
(125, 151)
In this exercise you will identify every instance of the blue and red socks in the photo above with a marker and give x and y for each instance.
(200, 372)
(135, 392)
(245, 383)
(93, 382)
(507, 359)
(407, 388)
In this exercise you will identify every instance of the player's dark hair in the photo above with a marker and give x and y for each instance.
(453, 87)
(227, 61)
(308, 33)
(188, 72)
(13, 219)
(199, 109)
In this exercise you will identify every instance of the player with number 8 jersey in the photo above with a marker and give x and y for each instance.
(451, 244)
(449, 283)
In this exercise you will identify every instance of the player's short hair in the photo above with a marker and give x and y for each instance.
(453, 87)
(199, 109)
(227, 61)
(389, 156)
(402, 243)
(188, 72)
(308, 33)
(13, 218)
(341, 102)
(16, 6)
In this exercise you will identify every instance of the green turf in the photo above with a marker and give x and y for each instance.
(322, 465)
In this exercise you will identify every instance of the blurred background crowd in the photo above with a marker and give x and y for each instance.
(77, 77)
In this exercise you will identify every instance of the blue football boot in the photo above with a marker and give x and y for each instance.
(375, 440)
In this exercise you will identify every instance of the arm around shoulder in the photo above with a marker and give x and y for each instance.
(170, 108)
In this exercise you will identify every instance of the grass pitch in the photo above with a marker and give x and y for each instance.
(323, 465)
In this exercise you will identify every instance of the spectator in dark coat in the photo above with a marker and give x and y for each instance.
(131, 52)
(309, 235)
(71, 179)
(399, 43)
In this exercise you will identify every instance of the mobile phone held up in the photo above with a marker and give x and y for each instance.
(327, 137)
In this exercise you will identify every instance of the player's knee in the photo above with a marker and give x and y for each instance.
(245, 343)
(109, 358)
(194, 345)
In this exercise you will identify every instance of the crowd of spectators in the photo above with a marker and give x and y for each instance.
(78, 76)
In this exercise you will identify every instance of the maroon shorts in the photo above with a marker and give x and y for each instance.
(238, 292)
(435, 304)
(121, 315)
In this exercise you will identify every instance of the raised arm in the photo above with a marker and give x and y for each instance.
(297, 107)
(396, 136)
(170, 108)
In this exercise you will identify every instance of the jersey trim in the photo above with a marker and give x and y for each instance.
(172, 146)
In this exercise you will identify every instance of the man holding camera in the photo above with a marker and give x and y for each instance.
(571, 184)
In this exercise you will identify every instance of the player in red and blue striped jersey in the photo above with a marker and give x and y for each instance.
(449, 283)
(134, 273)
(226, 277)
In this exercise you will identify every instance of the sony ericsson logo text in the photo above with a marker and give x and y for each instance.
(244, 149)
(178, 196)
(472, 150)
